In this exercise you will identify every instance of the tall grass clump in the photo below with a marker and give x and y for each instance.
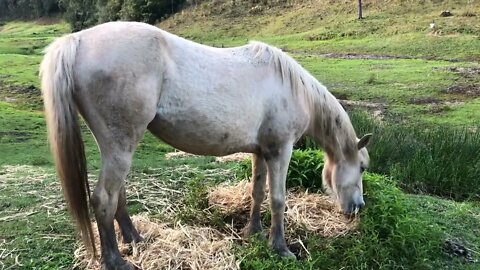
(305, 169)
(439, 160)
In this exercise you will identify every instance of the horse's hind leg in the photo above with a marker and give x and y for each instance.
(115, 166)
(117, 141)
(277, 165)
(259, 176)
(129, 233)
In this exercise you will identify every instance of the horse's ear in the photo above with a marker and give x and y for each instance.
(364, 141)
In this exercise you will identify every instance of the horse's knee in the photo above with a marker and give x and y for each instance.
(277, 203)
(258, 191)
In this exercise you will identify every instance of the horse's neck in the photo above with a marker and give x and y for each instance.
(331, 128)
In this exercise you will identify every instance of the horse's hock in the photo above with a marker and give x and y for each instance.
(177, 246)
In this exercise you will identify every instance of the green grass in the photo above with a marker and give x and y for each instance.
(20, 69)
(441, 160)
(25, 38)
(395, 28)
(398, 231)
(305, 170)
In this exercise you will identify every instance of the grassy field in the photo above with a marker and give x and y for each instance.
(433, 80)
(391, 57)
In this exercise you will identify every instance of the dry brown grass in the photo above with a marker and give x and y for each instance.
(178, 154)
(233, 157)
(228, 158)
(171, 247)
(312, 212)
(194, 247)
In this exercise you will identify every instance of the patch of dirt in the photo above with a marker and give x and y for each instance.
(341, 96)
(363, 56)
(467, 83)
(454, 247)
(14, 136)
(424, 100)
(378, 110)
(470, 90)
(29, 90)
(28, 95)
(444, 106)
(464, 71)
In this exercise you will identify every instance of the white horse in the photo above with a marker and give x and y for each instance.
(126, 77)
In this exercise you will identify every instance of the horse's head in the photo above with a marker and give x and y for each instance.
(343, 180)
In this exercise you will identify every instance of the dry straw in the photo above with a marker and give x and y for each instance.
(312, 212)
(190, 247)
(229, 158)
(167, 247)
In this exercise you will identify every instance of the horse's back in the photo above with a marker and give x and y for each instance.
(200, 99)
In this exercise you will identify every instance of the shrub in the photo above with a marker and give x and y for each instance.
(305, 169)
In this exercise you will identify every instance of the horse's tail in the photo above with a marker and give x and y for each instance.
(56, 72)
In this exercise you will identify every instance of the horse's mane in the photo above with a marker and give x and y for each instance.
(326, 112)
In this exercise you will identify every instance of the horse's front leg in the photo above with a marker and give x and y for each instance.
(277, 164)
(129, 233)
(259, 176)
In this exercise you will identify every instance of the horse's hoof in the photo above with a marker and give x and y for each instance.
(138, 239)
(282, 250)
(124, 266)
(251, 230)
(285, 253)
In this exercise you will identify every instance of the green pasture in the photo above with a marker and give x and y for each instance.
(421, 191)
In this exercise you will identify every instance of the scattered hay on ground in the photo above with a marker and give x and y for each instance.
(304, 211)
(179, 246)
(178, 154)
(171, 247)
(228, 158)
(377, 110)
(233, 157)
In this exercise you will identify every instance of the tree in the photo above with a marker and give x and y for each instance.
(360, 15)
(80, 14)
(27, 9)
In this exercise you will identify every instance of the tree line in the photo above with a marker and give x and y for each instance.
(28, 9)
(84, 13)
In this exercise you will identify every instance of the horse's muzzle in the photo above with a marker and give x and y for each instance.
(354, 208)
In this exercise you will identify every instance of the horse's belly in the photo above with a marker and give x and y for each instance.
(203, 133)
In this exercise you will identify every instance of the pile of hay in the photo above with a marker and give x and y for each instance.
(167, 247)
(178, 154)
(313, 212)
(190, 247)
(229, 158)
(233, 157)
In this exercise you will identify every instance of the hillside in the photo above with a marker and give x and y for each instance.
(396, 27)
(380, 61)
